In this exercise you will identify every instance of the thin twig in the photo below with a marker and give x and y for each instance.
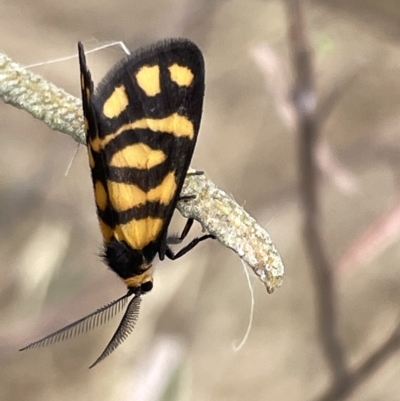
(277, 83)
(43, 100)
(365, 370)
(305, 106)
(217, 212)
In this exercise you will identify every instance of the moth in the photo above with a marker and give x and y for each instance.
(141, 128)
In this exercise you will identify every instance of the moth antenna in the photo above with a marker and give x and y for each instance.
(124, 329)
(237, 348)
(83, 325)
(72, 160)
(101, 47)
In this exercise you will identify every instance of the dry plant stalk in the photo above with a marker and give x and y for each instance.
(345, 379)
(216, 211)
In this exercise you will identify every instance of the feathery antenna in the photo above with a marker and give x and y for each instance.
(87, 323)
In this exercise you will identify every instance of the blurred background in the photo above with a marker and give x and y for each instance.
(183, 344)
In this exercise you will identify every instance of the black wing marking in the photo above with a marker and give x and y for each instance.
(87, 323)
(186, 101)
(87, 90)
(99, 172)
(124, 329)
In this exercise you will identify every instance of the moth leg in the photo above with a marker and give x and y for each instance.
(186, 197)
(191, 171)
(177, 240)
(171, 255)
(194, 172)
(173, 239)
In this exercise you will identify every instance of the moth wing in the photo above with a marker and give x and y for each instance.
(148, 110)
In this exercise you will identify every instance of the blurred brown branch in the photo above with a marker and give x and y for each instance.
(309, 118)
(276, 79)
(304, 100)
(365, 370)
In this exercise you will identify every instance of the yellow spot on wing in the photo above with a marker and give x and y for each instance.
(174, 124)
(90, 155)
(148, 78)
(116, 103)
(183, 76)
(97, 144)
(86, 124)
(164, 192)
(100, 195)
(139, 233)
(138, 155)
(126, 196)
(106, 230)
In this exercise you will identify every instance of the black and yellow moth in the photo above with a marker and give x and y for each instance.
(141, 127)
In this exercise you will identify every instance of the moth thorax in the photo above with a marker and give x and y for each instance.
(124, 260)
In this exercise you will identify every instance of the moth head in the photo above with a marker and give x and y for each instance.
(142, 281)
(146, 285)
